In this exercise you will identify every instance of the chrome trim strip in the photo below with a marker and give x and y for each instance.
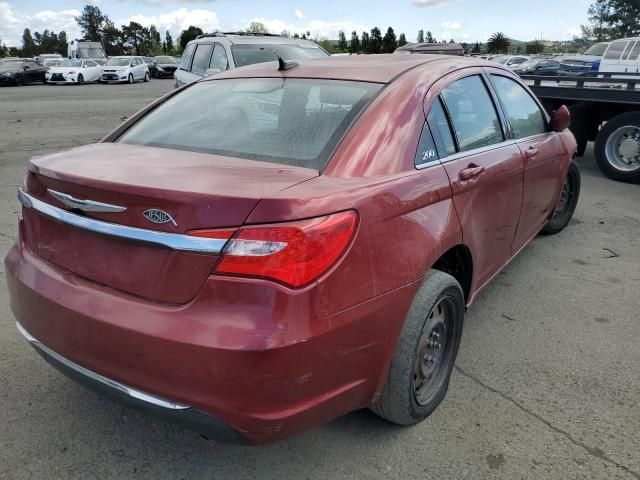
(475, 151)
(132, 392)
(85, 205)
(174, 241)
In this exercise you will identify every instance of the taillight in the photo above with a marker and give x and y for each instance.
(294, 253)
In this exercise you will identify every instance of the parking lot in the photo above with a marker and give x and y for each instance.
(546, 383)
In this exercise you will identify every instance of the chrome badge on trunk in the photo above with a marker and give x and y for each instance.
(159, 216)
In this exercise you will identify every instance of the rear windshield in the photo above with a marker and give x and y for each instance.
(290, 121)
(250, 54)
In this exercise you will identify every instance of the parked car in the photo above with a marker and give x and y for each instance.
(509, 60)
(125, 69)
(52, 62)
(251, 277)
(162, 66)
(48, 56)
(622, 56)
(586, 64)
(214, 53)
(19, 72)
(538, 66)
(74, 71)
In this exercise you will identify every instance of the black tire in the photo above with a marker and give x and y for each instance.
(401, 400)
(146, 77)
(608, 165)
(80, 79)
(19, 81)
(567, 202)
(130, 79)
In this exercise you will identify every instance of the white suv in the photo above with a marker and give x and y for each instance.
(125, 69)
(216, 52)
(622, 56)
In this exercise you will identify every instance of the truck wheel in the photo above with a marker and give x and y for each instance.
(567, 202)
(426, 352)
(617, 147)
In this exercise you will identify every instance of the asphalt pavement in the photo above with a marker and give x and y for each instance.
(546, 385)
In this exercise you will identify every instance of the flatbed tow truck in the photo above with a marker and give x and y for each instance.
(605, 108)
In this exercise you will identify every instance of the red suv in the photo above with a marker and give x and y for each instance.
(275, 246)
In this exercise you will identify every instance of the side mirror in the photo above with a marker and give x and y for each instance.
(211, 71)
(561, 119)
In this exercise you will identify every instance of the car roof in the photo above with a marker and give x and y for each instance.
(245, 38)
(364, 68)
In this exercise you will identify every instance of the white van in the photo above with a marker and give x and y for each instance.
(622, 56)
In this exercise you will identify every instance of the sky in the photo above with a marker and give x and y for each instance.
(462, 20)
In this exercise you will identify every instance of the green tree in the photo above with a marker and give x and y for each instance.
(375, 42)
(4, 51)
(168, 42)
(285, 33)
(354, 45)
(534, 47)
(389, 41)
(61, 48)
(296, 35)
(189, 34)
(136, 38)
(342, 41)
(498, 43)
(112, 38)
(91, 21)
(365, 43)
(420, 36)
(257, 27)
(28, 45)
(476, 48)
(402, 40)
(156, 41)
(612, 19)
(429, 38)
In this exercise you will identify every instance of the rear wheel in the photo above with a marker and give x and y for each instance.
(130, 78)
(80, 80)
(617, 148)
(567, 202)
(426, 352)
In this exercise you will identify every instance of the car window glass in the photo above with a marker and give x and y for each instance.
(437, 119)
(635, 53)
(201, 58)
(627, 50)
(185, 61)
(615, 50)
(474, 117)
(427, 151)
(89, 63)
(219, 59)
(523, 112)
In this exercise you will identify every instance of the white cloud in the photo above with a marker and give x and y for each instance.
(298, 13)
(451, 25)
(13, 23)
(318, 28)
(432, 3)
(178, 20)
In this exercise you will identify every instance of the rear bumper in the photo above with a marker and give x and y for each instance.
(178, 413)
(249, 359)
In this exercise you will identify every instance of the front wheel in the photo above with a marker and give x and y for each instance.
(80, 80)
(19, 81)
(130, 78)
(426, 352)
(617, 148)
(146, 77)
(567, 202)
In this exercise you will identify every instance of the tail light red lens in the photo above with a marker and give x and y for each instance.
(294, 253)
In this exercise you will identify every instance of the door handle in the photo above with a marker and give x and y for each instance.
(531, 152)
(471, 171)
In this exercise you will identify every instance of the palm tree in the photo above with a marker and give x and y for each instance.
(498, 43)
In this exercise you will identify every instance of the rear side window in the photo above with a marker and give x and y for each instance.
(437, 120)
(614, 52)
(524, 115)
(627, 51)
(474, 117)
(290, 121)
(250, 54)
(426, 152)
(635, 53)
(187, 55)
(219, 60)
(201, 58)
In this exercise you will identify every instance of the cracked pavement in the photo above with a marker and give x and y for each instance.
(546, 385)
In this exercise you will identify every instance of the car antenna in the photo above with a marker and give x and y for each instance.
(283, 64)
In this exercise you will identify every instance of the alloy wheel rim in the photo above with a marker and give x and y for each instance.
(434, 351)
(623, 149)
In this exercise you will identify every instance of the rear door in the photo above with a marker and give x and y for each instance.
(201, 60)
(541, 152)
(484, 167)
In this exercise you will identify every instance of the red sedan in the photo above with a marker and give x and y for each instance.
(270, 248)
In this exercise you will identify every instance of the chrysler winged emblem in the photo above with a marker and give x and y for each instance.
(159, 216)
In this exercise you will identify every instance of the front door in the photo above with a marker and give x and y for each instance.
(484, 168)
